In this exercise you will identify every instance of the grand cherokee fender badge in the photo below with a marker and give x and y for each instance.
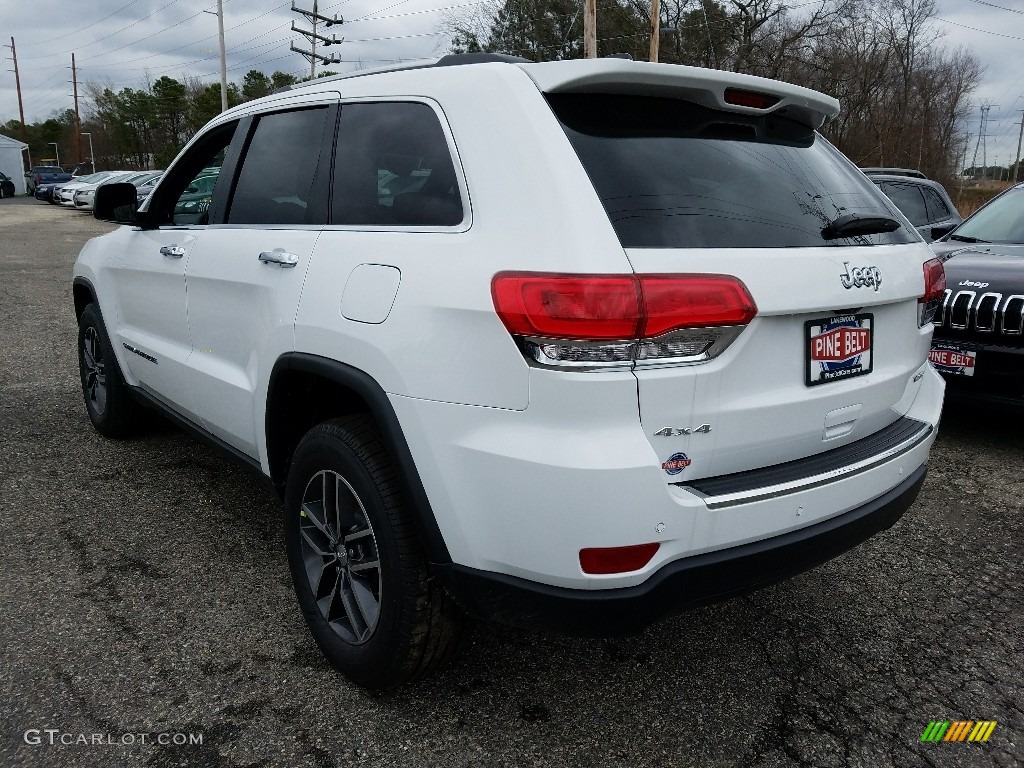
(861, 277)
(676, 463)
(140, 353)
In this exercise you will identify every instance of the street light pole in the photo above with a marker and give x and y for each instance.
(92, 156)
(55, 150)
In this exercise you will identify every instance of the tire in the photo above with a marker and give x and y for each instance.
(380, 619)
(108, 399)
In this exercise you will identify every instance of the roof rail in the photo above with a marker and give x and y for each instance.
(894, 172)
(451, 60)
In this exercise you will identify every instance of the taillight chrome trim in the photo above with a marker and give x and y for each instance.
(533, 350)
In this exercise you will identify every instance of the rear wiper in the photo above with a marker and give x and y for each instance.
(967, 239)
(852, 225)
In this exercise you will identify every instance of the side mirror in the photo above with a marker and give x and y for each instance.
(942, 231)
(116, 203)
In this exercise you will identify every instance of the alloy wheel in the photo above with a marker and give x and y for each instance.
(95, 375)
(339, 551)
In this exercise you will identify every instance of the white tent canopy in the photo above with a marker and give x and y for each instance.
(11, 162)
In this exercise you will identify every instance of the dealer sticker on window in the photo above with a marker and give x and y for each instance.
(839, 347)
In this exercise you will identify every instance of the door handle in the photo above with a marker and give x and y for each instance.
(280, 257)
(173, 251)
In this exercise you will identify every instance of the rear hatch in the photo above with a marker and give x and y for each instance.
(692, 186)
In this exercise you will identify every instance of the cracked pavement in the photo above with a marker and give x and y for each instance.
(145, 590)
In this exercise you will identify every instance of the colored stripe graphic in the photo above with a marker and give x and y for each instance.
(935, 730)
(958, 730)
(982, 730)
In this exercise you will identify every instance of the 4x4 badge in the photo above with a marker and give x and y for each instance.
(861, 277)
(676, 431)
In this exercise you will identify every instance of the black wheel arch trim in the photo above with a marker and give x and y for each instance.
(391, 433)
(87, 284)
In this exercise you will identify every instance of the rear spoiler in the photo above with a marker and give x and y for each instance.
(702, 86)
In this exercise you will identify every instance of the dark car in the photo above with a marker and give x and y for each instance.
(979, 333)
(45, 174)
(6, 186)
(923, 201)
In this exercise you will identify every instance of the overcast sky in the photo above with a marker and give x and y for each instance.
(119, 42)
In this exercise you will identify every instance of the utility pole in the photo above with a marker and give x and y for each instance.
(590, 29)
(311, 55)
(963, 164)
(17, 83)
(78, 120)
(1016, 165)
(980, 144)
(223, 57)
(655, 28)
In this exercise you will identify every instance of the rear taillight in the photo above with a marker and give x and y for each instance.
(615, 320)
(934, 288)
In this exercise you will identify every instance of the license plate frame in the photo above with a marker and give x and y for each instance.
(827, 340)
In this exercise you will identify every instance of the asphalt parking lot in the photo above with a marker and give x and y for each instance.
(145, 592)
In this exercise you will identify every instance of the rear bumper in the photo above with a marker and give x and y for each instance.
(680, 584)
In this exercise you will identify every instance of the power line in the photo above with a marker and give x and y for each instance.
(1001, 8)
(87, 26)
(107, 37)
(975, 29)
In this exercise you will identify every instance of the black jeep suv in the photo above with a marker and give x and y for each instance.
(979, 334)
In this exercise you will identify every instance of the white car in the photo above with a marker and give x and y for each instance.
(82, 196)
(614, 338)
(65, 193)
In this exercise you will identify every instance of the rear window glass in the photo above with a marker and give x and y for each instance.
(672, 174)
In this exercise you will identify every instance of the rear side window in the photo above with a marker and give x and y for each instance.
(275, 183)
(937, 208)
(909, 200)
(672, 174)
(393, 168)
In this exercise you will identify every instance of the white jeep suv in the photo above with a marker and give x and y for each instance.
(571, 345)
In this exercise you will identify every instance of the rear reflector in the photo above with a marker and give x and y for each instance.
(617, 559)
(606, 307)
(750, 98)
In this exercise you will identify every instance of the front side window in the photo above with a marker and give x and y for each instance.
(673, 174)
(178, 201)
(193, 205)
(394, 168)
